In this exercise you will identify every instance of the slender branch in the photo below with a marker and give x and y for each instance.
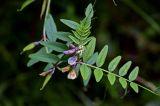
(44, 29)
(119, 77)
(146, 83)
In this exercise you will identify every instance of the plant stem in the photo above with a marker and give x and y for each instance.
(44, 29)
(119, 77)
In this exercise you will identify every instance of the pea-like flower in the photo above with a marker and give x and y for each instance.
(72, 74)
(72, 50)
(66, 69)
(72, 60)
(45, 73)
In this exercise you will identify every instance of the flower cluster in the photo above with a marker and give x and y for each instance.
(74, 53)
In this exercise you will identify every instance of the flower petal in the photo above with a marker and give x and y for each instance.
(72, 75)
(71, 51)
(72, 60)
(65, 69)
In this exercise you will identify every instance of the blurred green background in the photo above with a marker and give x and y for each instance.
(131, 29)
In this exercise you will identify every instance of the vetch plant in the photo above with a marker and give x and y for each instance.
(76, 49)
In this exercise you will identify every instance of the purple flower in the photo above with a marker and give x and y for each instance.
(71, 51)
(72, 60)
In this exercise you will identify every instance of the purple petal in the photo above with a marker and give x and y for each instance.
(71, 51)
(72, 60)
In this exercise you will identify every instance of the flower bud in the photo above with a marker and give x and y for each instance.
(45, 73)
(65, 69)
(30, 46)
(72, 75)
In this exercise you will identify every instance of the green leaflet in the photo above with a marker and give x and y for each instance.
(134, 86)
(48, 66)
(48, 77)
(124, 69)
(89, 11)
(50, 27)
(84, 70)
(102, 56)
(98, 73)
(78, 36)
(85, 82)
(56, 46)
(32, 62)
(113, 64)
(123, 82)
(93, 59)
(64, 36)
(134, 73)
(25, 4)
(75, 40)
(89, 50)
(111, 78)
(44, 57)
(87, 40)
(44, 4)
(69, 23)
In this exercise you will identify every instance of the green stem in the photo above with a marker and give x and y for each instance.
(119, 77)
(44, 29)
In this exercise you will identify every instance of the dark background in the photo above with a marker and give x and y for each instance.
(131, 29)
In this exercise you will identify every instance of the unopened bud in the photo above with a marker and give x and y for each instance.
(65, 69)
(30, 46)
(72, 75)
(45, 73)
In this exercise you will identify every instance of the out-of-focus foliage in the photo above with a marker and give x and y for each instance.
(130, 29)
